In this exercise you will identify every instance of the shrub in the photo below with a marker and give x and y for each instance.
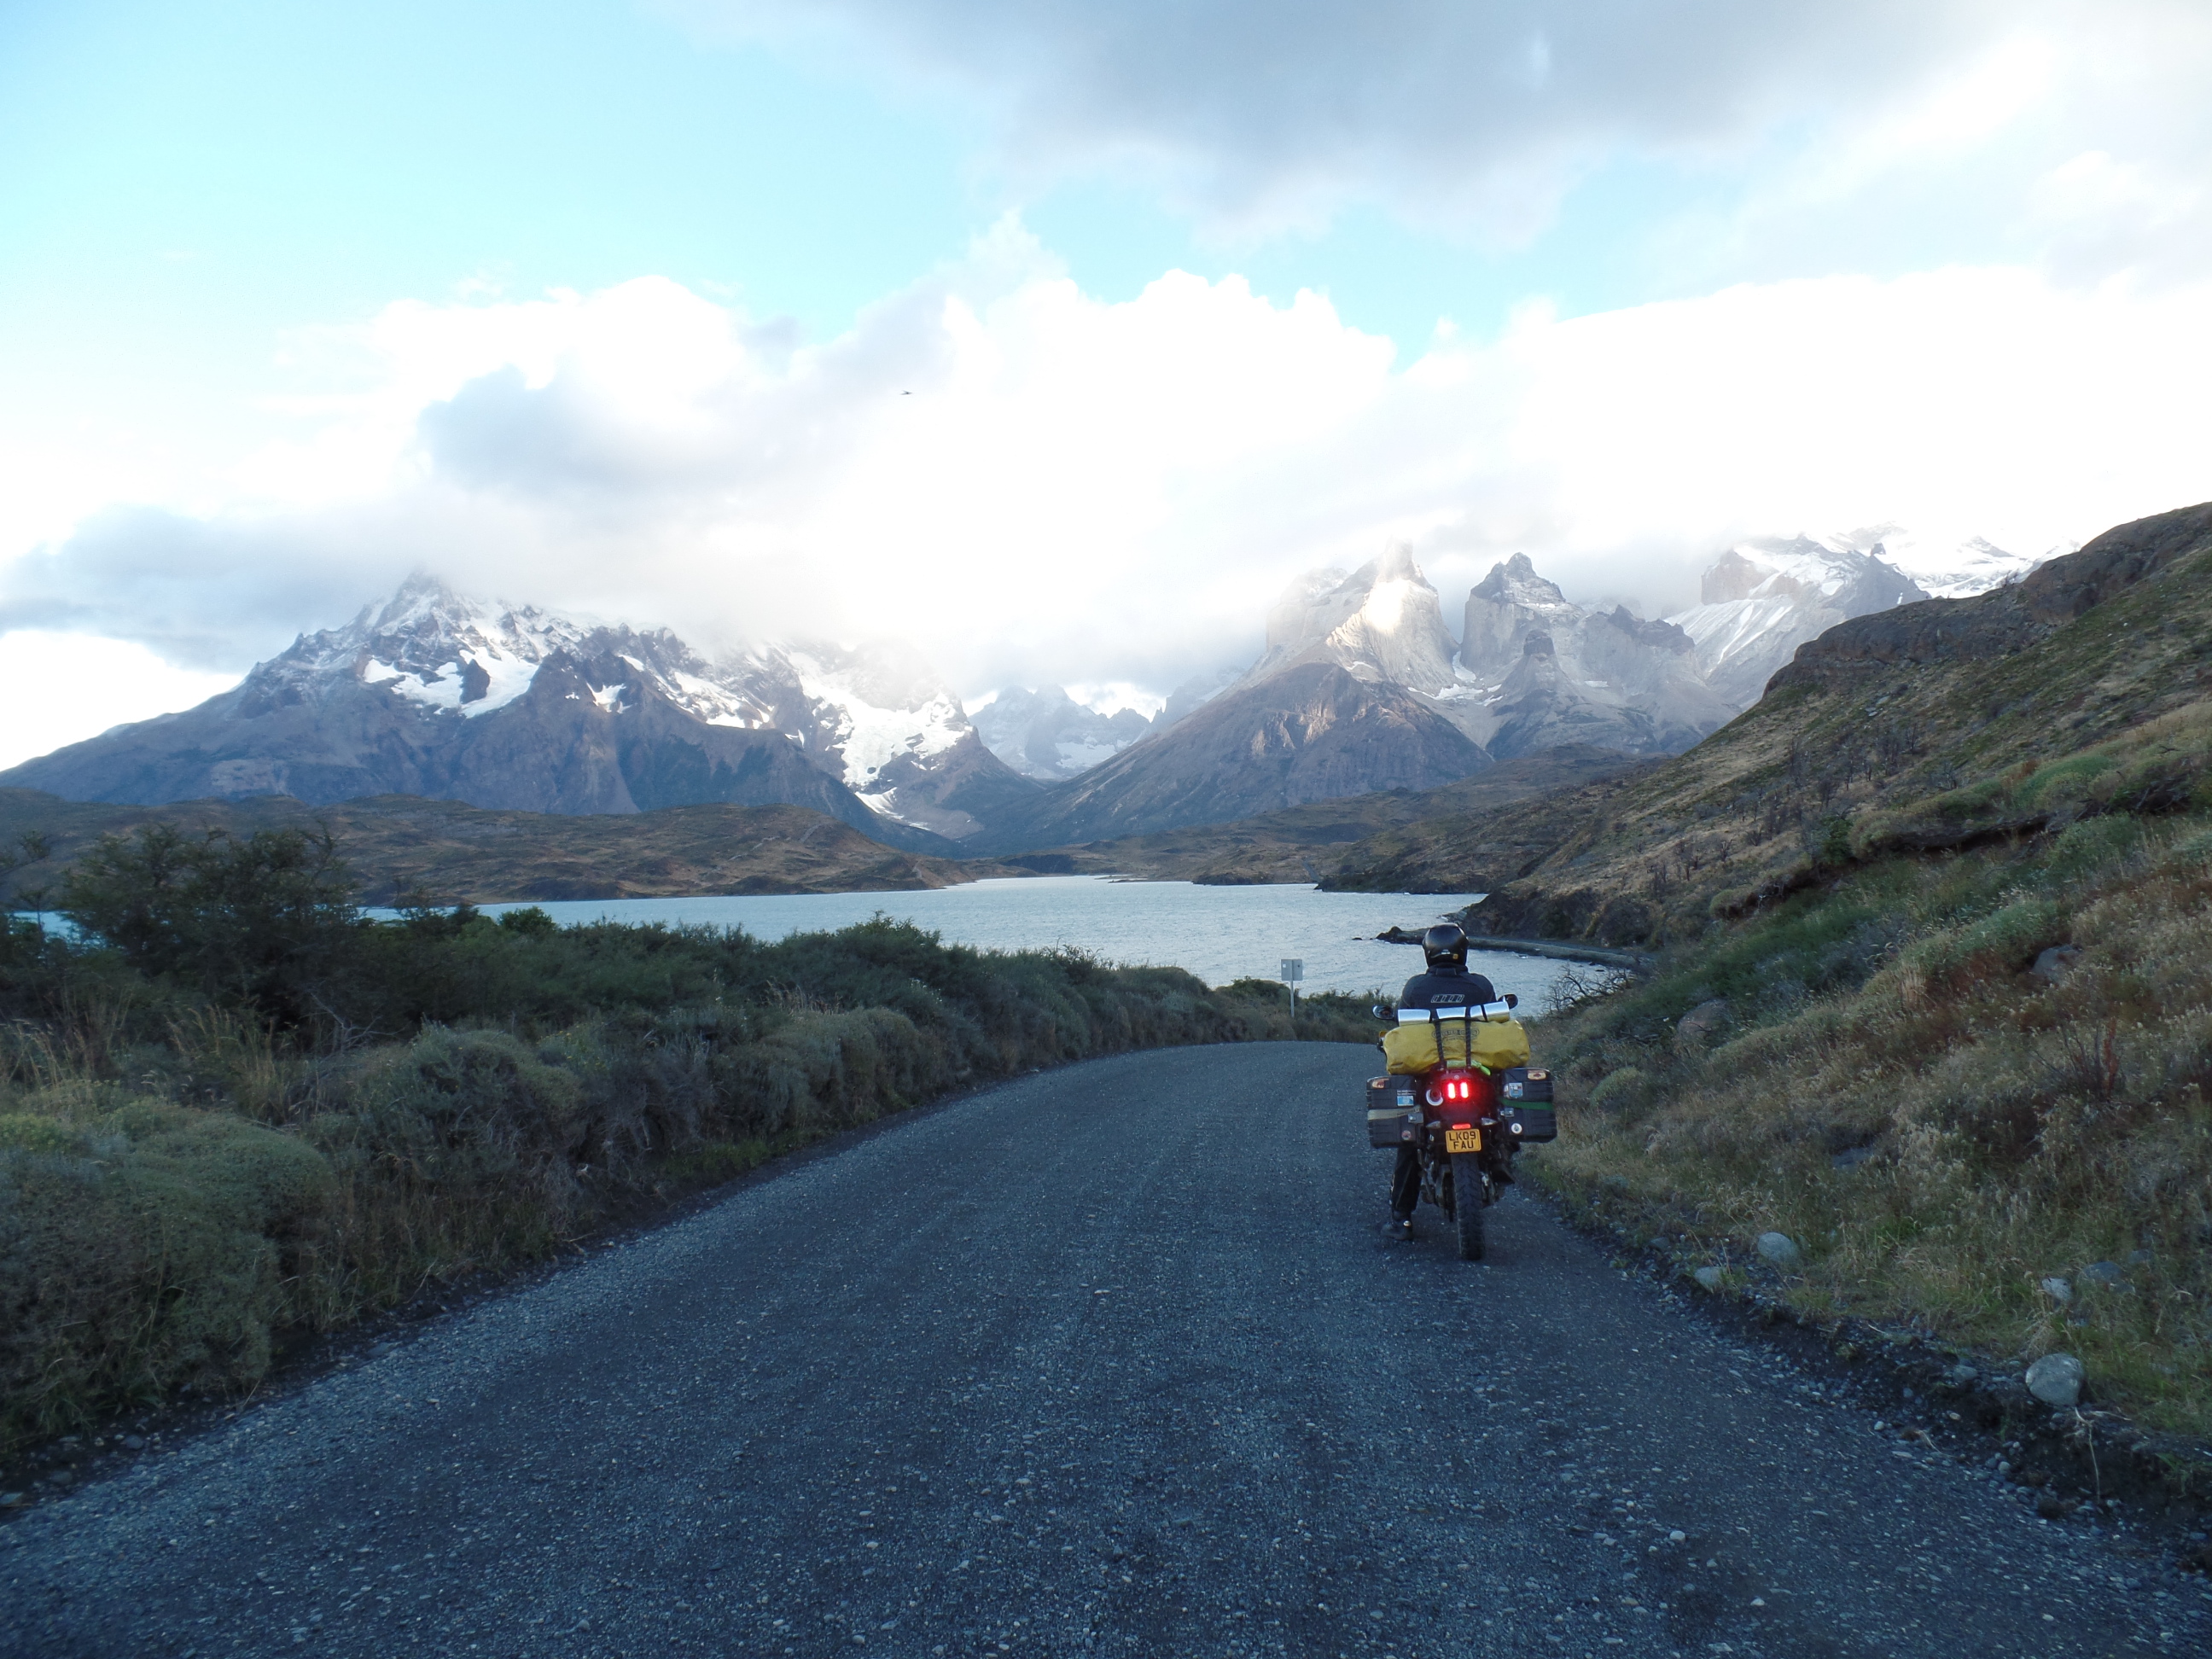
(265, 919)
(142, 1245)
(1620, 1090)
(2005, 942)
(465, 1095)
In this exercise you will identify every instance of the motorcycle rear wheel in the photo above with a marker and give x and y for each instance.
(1467, 1204)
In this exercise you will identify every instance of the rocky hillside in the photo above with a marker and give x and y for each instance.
(407, 849)
(1540, 671)
(1761, 600)
(1313, 732)
(1928, 1048)
(1931, 726)
(436, 694)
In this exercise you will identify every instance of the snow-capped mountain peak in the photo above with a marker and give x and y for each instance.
(875, 718)
(1946, 567)
(1762, 598)
(1048, 735)
(1383, 623)
(435, 649)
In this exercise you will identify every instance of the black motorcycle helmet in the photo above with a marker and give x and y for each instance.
(1444, 945)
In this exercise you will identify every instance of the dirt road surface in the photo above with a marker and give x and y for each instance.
(1111, 1360)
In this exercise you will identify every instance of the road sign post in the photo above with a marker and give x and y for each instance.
(1294, 969)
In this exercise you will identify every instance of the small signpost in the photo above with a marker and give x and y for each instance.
(1294, 969)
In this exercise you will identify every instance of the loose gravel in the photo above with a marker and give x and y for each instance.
(1111, 1360)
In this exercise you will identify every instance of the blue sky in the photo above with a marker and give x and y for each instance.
(195, 178)
(262, 269)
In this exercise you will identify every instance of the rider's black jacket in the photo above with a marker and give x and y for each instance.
(1446, 987)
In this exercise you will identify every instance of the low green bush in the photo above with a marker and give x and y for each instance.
(142, 1245)
(206, 1138)
(2002, 943)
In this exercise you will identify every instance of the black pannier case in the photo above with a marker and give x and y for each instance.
(1393, 1111)
(1524, 1103)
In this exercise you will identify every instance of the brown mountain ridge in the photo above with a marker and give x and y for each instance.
(405, 849)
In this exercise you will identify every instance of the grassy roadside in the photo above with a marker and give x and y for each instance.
(2015, 1162)
(250, 1114)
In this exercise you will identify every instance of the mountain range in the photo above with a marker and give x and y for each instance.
(1360, 687)
(2080, 690)
(436, 694)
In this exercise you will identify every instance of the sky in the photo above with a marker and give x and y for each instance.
(1054, 337)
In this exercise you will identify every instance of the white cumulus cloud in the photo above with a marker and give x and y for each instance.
(1033, 484)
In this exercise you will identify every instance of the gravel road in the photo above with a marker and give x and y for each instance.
(1111, 1360)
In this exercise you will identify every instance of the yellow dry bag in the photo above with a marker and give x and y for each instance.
(1423, 1045)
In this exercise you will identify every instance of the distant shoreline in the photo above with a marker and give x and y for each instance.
(1634, 962)
(1639, 962)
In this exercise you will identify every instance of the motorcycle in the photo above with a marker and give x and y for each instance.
(1461, 1093)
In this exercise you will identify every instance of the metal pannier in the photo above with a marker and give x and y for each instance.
(1393, 1111)
(1524, 1103)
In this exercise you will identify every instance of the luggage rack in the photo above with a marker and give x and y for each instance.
(1473, 1011)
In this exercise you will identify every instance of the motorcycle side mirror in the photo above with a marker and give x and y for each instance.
(1378, 1011)
(1512, 1001)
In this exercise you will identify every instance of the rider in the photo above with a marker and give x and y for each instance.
(1446, 984)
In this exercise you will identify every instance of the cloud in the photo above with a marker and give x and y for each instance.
(1034, 484)
(1812, 137)
(64, 688)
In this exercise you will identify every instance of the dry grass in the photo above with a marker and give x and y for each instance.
(1941, 1130)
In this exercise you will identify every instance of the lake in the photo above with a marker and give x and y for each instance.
(1218, 934)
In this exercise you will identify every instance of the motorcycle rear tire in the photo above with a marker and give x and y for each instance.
(1467, 1204)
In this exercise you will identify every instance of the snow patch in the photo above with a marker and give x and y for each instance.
(443, 685)
(866, 735)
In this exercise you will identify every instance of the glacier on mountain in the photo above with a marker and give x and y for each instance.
(1765, 597)
(1944, 567)
(1046, 734)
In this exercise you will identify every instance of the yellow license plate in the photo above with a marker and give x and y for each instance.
(1462, 1141)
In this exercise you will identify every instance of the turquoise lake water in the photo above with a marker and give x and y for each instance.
(1218, 934)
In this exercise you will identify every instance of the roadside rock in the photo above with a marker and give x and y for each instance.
(2107, 1276)
(1780, 1250)
(1709, 1278)
(2055, 1380)
(2058, 1289)
(1702, 1023)
(2055, 963)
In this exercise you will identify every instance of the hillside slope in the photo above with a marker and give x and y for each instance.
(1305, 844)
(1937, 920)
(401, 848)
(1861, 742)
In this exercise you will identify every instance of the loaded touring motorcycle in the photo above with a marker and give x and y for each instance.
(1461, 1094)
